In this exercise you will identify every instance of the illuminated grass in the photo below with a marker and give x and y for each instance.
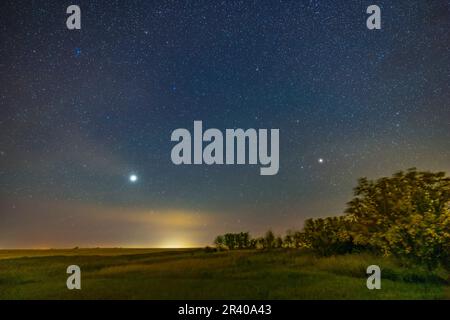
(194, 274)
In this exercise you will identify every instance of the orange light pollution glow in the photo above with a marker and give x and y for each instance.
(36, 223)
(64, 224)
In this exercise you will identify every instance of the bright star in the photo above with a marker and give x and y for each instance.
(320, 160)
(133, 178)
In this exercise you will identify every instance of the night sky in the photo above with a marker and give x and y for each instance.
(83, 110)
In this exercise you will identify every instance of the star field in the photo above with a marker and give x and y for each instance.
(82, 111)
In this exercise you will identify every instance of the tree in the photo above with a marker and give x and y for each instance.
(230, 240)
(269, 239)
(219, 242)
(278, 243)
(288, 241)
(260, 243)
(406, 215)
(299, 239)
(233, 241)
(244, 240)
(327, 236)
(253, 243)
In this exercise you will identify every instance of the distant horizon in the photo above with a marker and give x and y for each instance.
(91, 248)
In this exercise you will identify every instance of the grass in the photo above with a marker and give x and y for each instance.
(195, 274)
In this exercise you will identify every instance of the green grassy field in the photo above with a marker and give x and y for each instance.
(195, 274)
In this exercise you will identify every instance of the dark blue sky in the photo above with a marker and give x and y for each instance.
(81, 110)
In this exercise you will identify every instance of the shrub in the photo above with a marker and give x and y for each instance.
(406, 215)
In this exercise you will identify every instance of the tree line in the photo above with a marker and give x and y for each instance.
(243, 240)
(406, 215)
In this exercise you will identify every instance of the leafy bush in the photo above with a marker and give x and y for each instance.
(406, 216)
(328, 236)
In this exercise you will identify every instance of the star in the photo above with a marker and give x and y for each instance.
(108, 103)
